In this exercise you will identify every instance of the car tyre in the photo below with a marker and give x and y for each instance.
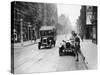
(39, 45)
(54, 43)
(60, 53)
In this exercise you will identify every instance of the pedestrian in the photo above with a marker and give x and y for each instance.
(78, 48)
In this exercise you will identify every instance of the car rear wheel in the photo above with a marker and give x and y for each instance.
(60, 52)
(54, 43)
(39, 45)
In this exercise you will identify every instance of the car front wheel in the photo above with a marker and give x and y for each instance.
(60, 52)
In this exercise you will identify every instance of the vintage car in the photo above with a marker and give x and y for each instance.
(47, 36)
(66, 48)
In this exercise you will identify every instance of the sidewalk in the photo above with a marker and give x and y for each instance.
(89, 50)
(26, 43)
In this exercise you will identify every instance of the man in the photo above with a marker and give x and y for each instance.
(77, 46)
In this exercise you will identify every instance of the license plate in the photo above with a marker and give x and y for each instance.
(68, 50)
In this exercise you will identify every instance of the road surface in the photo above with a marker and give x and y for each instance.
(30, 59)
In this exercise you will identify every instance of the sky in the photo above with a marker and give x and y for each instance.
(71, 11)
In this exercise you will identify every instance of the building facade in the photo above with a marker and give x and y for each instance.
(87, 23)
(28, 17)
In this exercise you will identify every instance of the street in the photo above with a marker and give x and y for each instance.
(63, 28)
(30, 59)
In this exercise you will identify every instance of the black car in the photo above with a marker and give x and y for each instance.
(47, 37)
(67, 48)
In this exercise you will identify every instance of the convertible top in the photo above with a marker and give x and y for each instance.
(47, 28)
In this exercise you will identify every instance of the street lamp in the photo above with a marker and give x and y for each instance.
(29, 26)
(21, 23)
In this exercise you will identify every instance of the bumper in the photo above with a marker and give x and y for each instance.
(46, 44)
(66, 52)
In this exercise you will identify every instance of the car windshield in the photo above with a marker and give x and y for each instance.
(47, 33)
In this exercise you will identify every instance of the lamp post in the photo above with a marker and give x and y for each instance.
(21, 23)
(29, 28)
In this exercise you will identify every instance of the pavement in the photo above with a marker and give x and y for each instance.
(26, 43)
(30, 59)
(90, 52)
